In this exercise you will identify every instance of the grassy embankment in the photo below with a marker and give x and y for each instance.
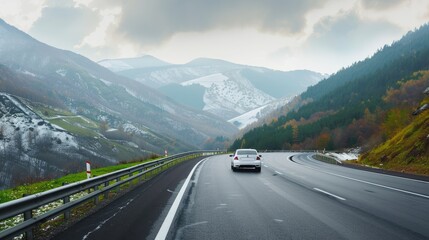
(407, 151)
(17, 192)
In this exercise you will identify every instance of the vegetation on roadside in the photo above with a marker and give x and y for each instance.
(28, 189)
(406, 151)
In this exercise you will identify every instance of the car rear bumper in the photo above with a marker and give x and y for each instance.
(246, 164)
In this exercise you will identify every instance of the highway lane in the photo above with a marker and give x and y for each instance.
(134, 215)
(300, 199)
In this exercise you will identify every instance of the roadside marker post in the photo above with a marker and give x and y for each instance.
(88, 169)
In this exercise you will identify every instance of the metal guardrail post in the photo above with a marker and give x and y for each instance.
(96, 198)
(28, 233)
(66, 199)
(140, 178)
(106, 193)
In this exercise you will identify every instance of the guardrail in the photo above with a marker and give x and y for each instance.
(327, 159)
(96, 188)
(303, 151)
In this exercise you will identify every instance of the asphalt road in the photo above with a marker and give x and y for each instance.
(299, 199)
(135, 215)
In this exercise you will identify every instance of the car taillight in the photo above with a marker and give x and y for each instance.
(235, 158)
(258, 158)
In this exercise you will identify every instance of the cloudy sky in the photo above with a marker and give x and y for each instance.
(320, 35)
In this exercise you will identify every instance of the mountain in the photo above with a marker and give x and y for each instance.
(222, 88)
(145, 61)
(114, 118)
(84, 86)
(349, 108)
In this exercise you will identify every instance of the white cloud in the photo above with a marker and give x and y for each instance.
(82, 3)
(64, 26)
(98, 38)
(281, 34)
(21, 13)
(381, 4)
(338, 41)
(152, 22)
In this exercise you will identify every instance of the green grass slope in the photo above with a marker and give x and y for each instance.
(407, 151)
(28, 189)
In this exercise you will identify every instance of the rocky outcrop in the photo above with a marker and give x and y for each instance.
(424, 106)
(421, 109)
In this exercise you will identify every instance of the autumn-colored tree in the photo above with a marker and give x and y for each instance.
(323, 141)
(396, 119)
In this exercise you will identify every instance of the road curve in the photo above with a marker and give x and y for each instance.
(294, 197)
(300, 199)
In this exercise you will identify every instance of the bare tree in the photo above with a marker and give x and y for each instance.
(18, 143)
(3, 138)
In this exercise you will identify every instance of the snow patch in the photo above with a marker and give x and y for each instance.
(254, 115)
(132, 144)
(344, 156)
(247, 118)
(130, 128)
(115, 65)
(61, 72)
(29, 73)
(107, 83)
(132, 93)
(207, 81)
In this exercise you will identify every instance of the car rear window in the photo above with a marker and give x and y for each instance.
(246, 152)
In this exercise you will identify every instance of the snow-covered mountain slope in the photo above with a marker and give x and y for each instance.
(24, 137)
(39, 142)
(229, 94)
(17, 119)
(254, 115)
(145, 61)
(159, 76)
(228, 89)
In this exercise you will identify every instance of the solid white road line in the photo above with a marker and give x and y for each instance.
(309, 157)
(371, 183)
(165, 227)
(379, 185)
(330, 194)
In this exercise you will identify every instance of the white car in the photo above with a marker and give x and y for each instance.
(246, 159)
